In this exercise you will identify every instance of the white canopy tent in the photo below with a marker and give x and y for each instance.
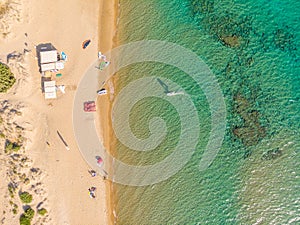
(48, 56)
(47, 67)
(50, 89)
(52, 66)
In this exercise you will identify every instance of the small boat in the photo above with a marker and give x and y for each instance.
(102, 92)
(86, 43)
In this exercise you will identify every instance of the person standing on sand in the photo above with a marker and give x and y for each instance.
(93, 173)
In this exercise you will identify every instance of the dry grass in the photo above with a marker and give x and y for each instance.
(9, 13)
(4, 7)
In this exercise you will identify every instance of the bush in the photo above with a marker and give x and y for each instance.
(11, 146)
(29, 213)
(7, 78)
(42, 211)
(24, 220)
(11, 190)
(26, 217)
(15, 207)
(15, 211)
(26, 197)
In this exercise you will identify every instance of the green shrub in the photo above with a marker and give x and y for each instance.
(26, 217)
(11, 146)
(7, 78)
(29, 213)
(26, 197)
(42, 211)
(15, 211)
(24, 220)
(11, 190)
(26, 181)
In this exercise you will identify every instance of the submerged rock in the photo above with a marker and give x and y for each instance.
(284, 39)
(251, 132)
(202, 6)
(272, 154)
(231, 41)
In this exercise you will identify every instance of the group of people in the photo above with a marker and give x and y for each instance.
(93, 173)
(92, 190)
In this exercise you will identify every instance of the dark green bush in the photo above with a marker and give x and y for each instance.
(11, 146)
(29, 213)
(24, 220)
(26, 217)
(26, 197)
(7, 78)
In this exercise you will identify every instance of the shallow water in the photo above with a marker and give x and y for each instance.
(255, 177)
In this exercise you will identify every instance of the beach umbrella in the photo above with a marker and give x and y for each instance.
(99, 161)
(86, 43)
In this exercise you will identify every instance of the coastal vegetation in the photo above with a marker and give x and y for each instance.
(23, 180)
(11, 147)
(42, 211)
(14, 207)
(25, 197)
(11, 190)
(26, 217)
(7, 78)
(4, 8)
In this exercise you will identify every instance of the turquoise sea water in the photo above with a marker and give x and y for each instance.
(253, 48)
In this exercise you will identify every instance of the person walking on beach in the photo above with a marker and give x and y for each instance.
(92, 192)
(93, 173)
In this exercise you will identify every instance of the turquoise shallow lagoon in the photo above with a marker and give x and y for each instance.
(253, 48)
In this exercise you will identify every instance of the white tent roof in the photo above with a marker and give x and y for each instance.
(50, 90)
(47, 67)
(50, 95)
(49, 83)
(48, 56)
(52, 66)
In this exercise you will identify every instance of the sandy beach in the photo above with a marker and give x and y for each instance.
(103, 122)
(64, 173)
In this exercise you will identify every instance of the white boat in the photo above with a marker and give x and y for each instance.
(102, 92)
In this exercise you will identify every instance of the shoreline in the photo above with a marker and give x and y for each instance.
(107, 28)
